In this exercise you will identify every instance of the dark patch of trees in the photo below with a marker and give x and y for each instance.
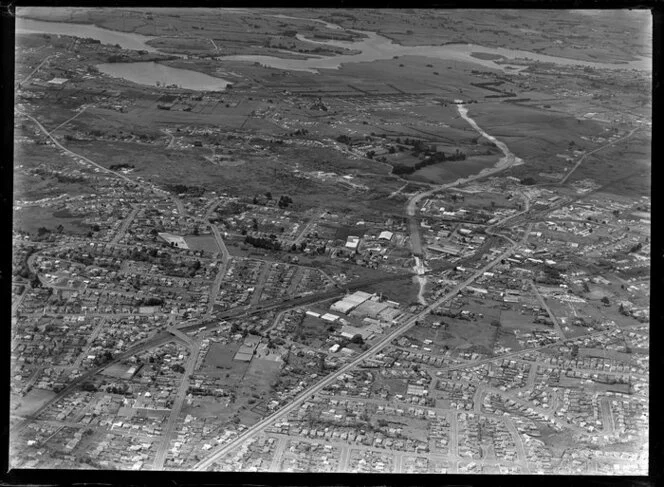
(285, 201)
(150, 302)
(429, 161)
(183, 188)
(357, 339)
(263, 243)
(124, 165)
(636, 248)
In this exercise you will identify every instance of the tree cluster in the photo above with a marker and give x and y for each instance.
(183, 188)
(263, 243)
(284, 201)
(124, 165)
(433, 159)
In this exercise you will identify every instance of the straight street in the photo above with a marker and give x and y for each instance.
(220, 241)
(70, 119)
(583, 157)
(125, 225)
(330, 379)
(176, 409)
(307, 227)
(72, 153)
(25, 80)
(556, 324)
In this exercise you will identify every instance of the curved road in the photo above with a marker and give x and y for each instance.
(419, 252)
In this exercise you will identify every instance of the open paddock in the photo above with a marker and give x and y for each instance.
(206, 243)
(514, 320)
(31, 402)
(457, 335)
(31, 218)
(449, 171)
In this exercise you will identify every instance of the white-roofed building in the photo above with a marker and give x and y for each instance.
(352, 242)
(385, 235)
(350, 302)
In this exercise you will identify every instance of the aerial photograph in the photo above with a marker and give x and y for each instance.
(386, 241)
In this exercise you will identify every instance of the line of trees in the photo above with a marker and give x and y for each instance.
(183, 188)
(429, 161)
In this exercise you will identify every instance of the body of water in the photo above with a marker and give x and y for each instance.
(149, 73)
(371, 48)
(145, 73)
(126, 40)
(376, 47)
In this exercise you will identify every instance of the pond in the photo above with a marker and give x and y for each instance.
(151, 73)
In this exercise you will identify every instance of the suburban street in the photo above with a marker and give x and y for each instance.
(330, 379)
(125, 225)
(409, 250)
(176, 408)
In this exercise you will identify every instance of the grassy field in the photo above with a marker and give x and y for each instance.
(250, 382)
(393, 385)
(32, 401)
(631, 157)
(220, 357)
(449, 171)
(206, 243)
(513, 320)
(403, 291)
(459, 335)
(313, 331)
(31, 218)
(116, 370)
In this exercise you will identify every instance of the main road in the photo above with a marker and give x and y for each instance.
(540, 298)
(124, 226)
(159, 339)
(25, 80)
(181, 394)
(72, 153)
(330, 379)
(583, 157)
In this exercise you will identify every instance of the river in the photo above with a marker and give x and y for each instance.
(373, 47)
(126, 40)
(376, 47)
(508, 160)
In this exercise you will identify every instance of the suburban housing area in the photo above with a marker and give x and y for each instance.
(330, 240)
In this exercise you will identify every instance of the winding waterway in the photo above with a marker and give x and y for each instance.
(508, 160)
(126, 40)
(376, 47)
(372, 47)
